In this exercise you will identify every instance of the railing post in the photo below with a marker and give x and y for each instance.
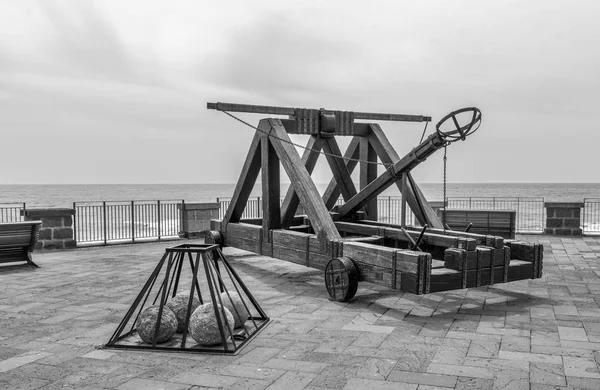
(181, 215)
(74, 220)
(104, 222)
(259, 209)
(132, 221)
(158, 214)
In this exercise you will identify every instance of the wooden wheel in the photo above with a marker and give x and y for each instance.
(341, 279)
(213, 237)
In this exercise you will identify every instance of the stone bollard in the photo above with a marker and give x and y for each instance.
(563, 218)
(195, 218)
(56, 231)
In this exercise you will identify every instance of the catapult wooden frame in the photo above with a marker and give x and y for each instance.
(411, 259)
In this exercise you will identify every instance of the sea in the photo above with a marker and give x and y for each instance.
(64, 195)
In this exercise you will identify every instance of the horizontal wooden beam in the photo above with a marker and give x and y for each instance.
(276, 110)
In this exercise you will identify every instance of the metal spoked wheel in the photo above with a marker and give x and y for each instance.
(455, 131)
(341, 279)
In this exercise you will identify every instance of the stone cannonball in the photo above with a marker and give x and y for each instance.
(204, 327)
(234, 303)
(146, 324)
(179, 304)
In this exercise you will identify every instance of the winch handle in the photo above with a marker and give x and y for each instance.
(461, 132)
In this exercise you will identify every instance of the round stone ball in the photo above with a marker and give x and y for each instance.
(146, 324)
(204, 327)
(234, 303)
(179, 304)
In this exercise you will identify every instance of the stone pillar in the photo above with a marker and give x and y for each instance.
(195, 218)
(563, 218)
(56, 231)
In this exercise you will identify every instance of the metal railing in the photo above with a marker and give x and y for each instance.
(389, 209)
(121, 221)
(253, 207)
(591, 216)
(530, 211)
(12, 212)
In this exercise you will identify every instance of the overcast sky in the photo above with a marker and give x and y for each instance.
(115, 91)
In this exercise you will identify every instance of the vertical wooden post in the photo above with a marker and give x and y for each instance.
(271, 218)
(368, 173)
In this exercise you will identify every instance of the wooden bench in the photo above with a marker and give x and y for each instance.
(488, 222)
(17, 241)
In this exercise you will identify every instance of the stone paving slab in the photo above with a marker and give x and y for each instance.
(530, 334)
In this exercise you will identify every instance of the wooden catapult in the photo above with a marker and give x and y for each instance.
(346, 240)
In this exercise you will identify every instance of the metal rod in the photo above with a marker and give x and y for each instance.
(416, 246)
(158, 215)
(163, 300)
(191, 297)
(403, 215)
(211, 287)
(132, 221)
(104, 221)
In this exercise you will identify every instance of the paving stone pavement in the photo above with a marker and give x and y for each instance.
(530, 334)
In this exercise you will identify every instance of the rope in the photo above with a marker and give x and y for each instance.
(387, 166)
(424, 130)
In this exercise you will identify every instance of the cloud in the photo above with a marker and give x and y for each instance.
(85, 43)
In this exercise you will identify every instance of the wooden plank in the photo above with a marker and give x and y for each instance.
(317, 260)
(522, 250)
(244, 230)
(371, 254)
(520, 270)
(303, 184)
(444, 279)
(246, 181)
(291, 239)
(270, 188)
(293, 255)
(368, 173)
(338, 168)
(398, 234)
(243, 243)
(302, 229)
(374, 274)
(276, 110)
(481, 239)
(455, 258)
(359, 229)
(332, 193)
(377, 240)
(291, 201)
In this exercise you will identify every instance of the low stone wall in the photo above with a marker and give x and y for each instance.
(563, 218)
(195, 218)
(56, 231)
